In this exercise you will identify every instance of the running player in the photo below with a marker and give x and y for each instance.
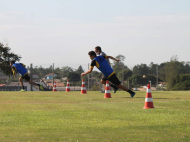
(20, 68)
(104, 67)
(98, 51)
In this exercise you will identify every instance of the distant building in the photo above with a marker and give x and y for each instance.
(50, 76)
(15, 86)
(35, 76)
(58, 84)
(4, 77)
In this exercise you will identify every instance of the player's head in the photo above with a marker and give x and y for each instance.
(98, 49)
(12, 62)
(92, 55)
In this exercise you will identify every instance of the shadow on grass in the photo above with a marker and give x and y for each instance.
(132, 98)
(165, 98)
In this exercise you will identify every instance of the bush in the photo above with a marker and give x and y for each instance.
(96, 87)
(182, 86)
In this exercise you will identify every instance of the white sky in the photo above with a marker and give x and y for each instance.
(64, 31)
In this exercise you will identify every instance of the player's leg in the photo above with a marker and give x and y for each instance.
(103, 85)
(113, 79)
(27, 78)
(103, 81)
(21, 83)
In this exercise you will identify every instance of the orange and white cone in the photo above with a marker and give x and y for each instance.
(83, 87)
(68, 86)
(54, 87)
(148, 99)
(107, 91)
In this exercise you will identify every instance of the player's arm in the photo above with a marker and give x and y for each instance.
(93, 63)
(112, 58)
(89, 71)
(14, 71)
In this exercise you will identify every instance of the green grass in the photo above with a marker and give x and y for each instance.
(65, 117)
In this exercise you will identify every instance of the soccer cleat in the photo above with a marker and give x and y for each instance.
(132, 94)
(115, 89)
(41, 87)
(22, 90)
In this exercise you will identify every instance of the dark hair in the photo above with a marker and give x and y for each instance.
(98, 48)
(92, 53)
(12, 62)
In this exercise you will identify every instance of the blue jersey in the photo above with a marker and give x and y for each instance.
(101, 63)
(20, 68)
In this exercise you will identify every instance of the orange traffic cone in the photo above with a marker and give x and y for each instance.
(83, 88)
(68, 86)
(54, 87)
(148, 99)
(107, 91)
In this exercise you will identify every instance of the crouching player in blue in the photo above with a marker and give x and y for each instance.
(20, 68)
(105, 68)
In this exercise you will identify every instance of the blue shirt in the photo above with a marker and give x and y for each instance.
(20, 68)
(101, 63)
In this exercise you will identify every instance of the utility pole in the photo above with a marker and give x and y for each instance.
(128, 84)
(53, 76)
(31, 77)
(88, 78)
(157, 75)
(123, 74)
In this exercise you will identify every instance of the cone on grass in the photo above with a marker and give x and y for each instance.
(148, 99)
(83, 88)
(107, 91)
(68, 86)
(54, 87)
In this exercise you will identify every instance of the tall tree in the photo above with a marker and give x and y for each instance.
(172, 71)
(80, 70)
(66, 70)
(141, 69)
(119, 66)
(5, 57)
(125, 74)
(73, 76)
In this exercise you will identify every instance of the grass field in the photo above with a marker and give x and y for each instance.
(71, 116)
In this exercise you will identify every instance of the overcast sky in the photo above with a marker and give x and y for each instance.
(64, 31)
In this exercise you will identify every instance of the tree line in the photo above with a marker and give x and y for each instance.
(176, 74)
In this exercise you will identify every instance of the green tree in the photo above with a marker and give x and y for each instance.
(153, 69)
(172, 71)
(141, 69)
(125, 74)
(136, 80)
(74, 76)
(182, 82)
(80, 70)
(119, 66)
(66, 70)
(5, 57)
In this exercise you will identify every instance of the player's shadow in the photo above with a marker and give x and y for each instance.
(133, 97)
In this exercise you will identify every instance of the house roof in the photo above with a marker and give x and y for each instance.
(58, 84)
(2, 85)
(49, 74)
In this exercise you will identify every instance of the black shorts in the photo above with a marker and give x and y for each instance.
(104, 78)
(26, 77)
(113, 79)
